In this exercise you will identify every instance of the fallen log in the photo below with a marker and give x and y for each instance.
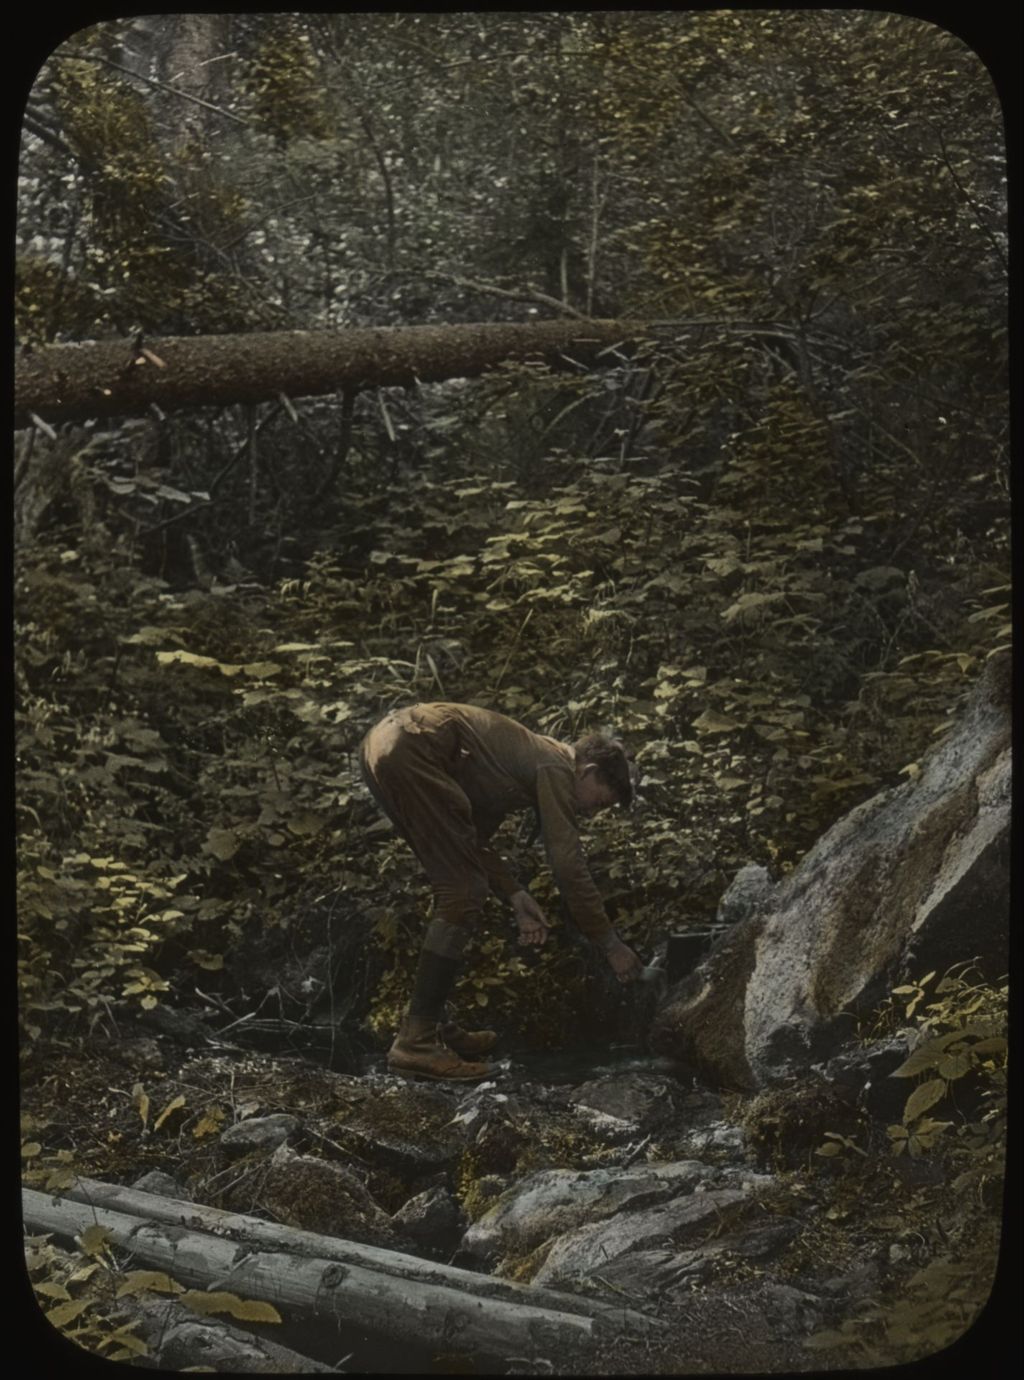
(178, 1339)
(109, 378)
(398, 1264)
(409, 1310)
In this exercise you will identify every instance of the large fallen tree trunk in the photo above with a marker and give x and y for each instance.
(108, 378)
(315, 1275)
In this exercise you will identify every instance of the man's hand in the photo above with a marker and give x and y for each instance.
(532, 922)
(626, 966)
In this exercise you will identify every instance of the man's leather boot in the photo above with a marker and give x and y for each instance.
(419, 1052)
(469, 1043)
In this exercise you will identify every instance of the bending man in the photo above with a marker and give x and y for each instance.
(446, 775)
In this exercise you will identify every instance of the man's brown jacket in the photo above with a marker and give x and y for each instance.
(501, 767)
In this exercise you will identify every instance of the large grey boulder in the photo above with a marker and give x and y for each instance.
(554, 1201)
(666, 1272)
(913, 879)
(689, 1220)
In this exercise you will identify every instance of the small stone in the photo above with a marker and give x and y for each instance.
(156, 1181)
(432, 1219)
(259, 1133)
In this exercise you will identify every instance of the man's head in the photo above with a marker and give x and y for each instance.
(605, 775)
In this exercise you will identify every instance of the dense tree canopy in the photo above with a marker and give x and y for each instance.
(765, 537)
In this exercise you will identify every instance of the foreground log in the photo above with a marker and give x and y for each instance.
(110, 378)
(178, 1339)
(418, 1311)
(398, 1264)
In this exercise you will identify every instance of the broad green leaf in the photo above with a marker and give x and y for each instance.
(222, 843)
(923, 1097)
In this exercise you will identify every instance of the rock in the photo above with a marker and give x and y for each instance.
(852, 1286)
(432, 1219)
(324, 1196)
(156, 1181)
(403, 1126)
(638, 1100)
(915, 878)
(644, 1276)
(578, 1254)
(259, 1133)
(555, 1201)
(864, 1076)
(719, 1139)
(784, 1125)
(748, 891)
(794, 1312)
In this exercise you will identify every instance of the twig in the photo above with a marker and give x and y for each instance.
(596, 205)
(635, 1154)
(609, 1285)
(989, 235)
(348, 402)
(161, 86)
(522, 295)
(515, 644)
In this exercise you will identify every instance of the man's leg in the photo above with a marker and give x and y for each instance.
(434, 816)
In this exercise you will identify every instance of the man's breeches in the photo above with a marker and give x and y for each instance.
(406, 776)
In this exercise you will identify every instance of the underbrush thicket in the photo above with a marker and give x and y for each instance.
(186, 756)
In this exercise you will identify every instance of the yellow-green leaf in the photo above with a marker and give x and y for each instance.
(67, 1312)
(218, 1301)
(713, 722)
(52, 1291)
(174, 1105)
(137, 1280)
(140, 1102)
(94, 1239)
(923, 1097)
(211, 962)
(210, 1123)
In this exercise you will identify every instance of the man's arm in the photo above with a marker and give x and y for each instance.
(557, 808)
(502, 880)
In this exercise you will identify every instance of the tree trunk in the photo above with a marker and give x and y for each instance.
(177, 1338)
(110, 378)
(174, 1212)
(403, 1301)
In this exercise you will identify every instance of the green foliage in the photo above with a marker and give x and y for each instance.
(75, 1290)
(282, 80)
(962, 1050)
(769, 546)
(963, 1038)
(941, 1302)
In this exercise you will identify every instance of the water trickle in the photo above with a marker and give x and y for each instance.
(581, 1063)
